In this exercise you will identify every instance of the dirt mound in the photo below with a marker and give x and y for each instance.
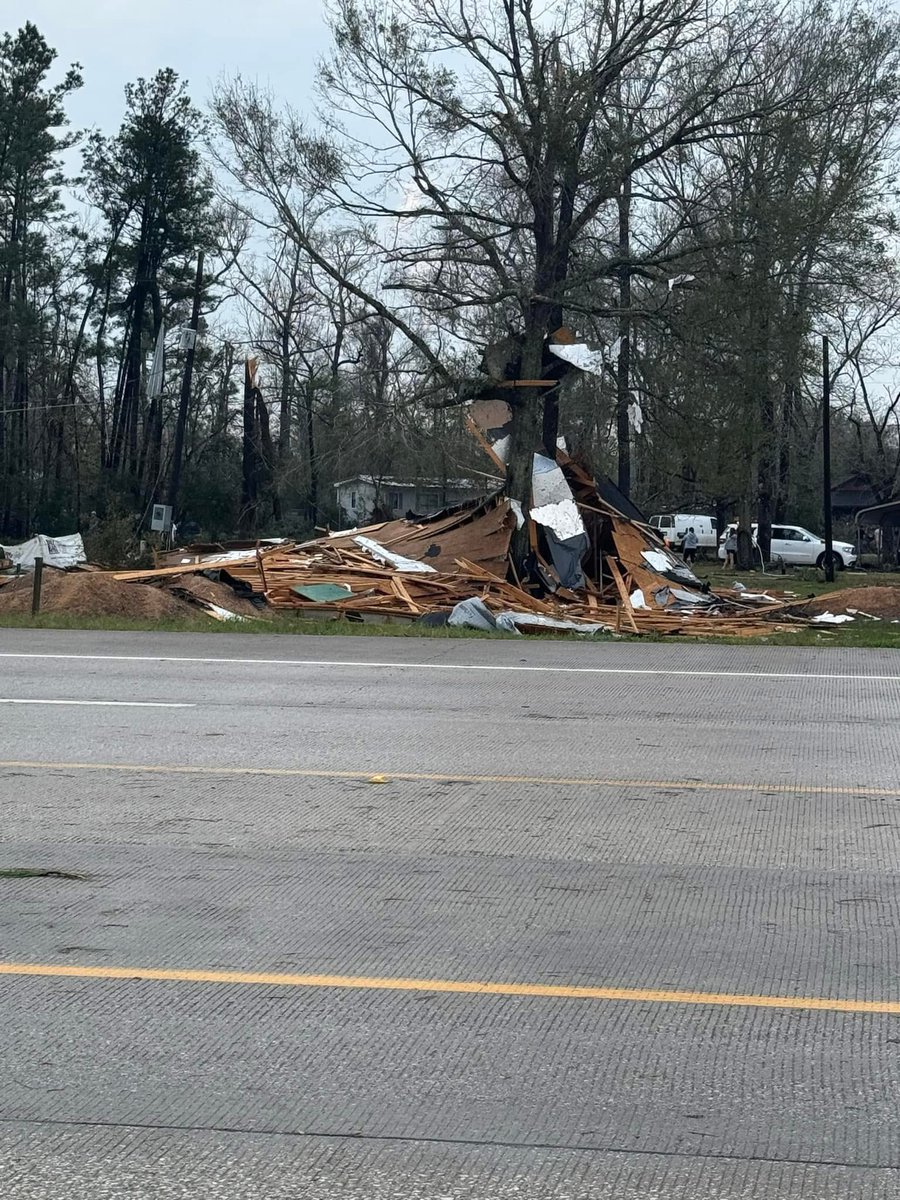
(215, 593)
(93, 594)
(881, 602)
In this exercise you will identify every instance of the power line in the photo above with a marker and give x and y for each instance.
(39, 408)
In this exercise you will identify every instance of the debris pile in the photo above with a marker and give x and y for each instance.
(92, 594)
(594, 565)
(874, 603)
(217, 599)
(353, 574)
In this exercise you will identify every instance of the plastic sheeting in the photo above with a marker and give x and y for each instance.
(567, 555)
(582, 356)
(675, 598)
(586, 357)
(59, 552)
(475, 614)
(514, 620)
(472, 614)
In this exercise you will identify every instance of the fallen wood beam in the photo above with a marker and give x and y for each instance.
(623, 592)
(484, 444)
(401, 592)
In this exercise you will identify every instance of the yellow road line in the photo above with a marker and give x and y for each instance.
(459, 986)
(811, 789)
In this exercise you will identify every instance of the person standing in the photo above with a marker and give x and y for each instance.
(731, 545)
(689, 546)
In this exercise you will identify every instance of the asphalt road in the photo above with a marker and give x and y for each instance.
(445, 919)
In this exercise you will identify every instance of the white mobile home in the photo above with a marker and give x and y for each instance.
(364, 497)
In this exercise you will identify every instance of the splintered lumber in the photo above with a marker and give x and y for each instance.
(222, 564)
(468, 551)
(262, 570)
(400, 590)
(627, 607)
(484, 443)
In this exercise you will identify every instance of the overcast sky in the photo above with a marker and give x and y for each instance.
(276, 42)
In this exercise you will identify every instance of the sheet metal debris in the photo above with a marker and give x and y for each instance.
(399, 561)
(563, 518)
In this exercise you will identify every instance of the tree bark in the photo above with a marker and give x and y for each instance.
(312, 495)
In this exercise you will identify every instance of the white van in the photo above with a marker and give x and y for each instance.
(673, 526)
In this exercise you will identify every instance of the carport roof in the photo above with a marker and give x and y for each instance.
(880, 514)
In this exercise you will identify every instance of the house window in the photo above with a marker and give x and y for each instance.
(395, 499)
(353, 500)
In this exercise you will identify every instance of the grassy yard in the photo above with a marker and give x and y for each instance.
(805, 581)
(279, 623)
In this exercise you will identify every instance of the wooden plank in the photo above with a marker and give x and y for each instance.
(527, 383)
(484, 444)
(187, 569)
(400, 590)
(623, 592)
(563, 336)
(262, 572)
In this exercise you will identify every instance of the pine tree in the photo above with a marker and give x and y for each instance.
(31, 114)
(155, 194)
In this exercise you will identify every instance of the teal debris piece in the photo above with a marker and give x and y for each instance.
(323, 593)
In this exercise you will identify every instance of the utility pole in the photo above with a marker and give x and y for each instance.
(826, 463)
(185, 400)
(623, 366)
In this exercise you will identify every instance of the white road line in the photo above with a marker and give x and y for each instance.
(104, 703)
(431, 666)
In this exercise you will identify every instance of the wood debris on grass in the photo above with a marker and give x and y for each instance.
(463, 554)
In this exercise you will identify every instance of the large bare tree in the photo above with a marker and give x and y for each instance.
(482, 147)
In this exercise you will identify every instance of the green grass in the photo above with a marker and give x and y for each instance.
(872, 634)
(807, 582)
(278, 624)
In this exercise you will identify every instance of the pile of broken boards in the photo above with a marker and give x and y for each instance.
(610, 574)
